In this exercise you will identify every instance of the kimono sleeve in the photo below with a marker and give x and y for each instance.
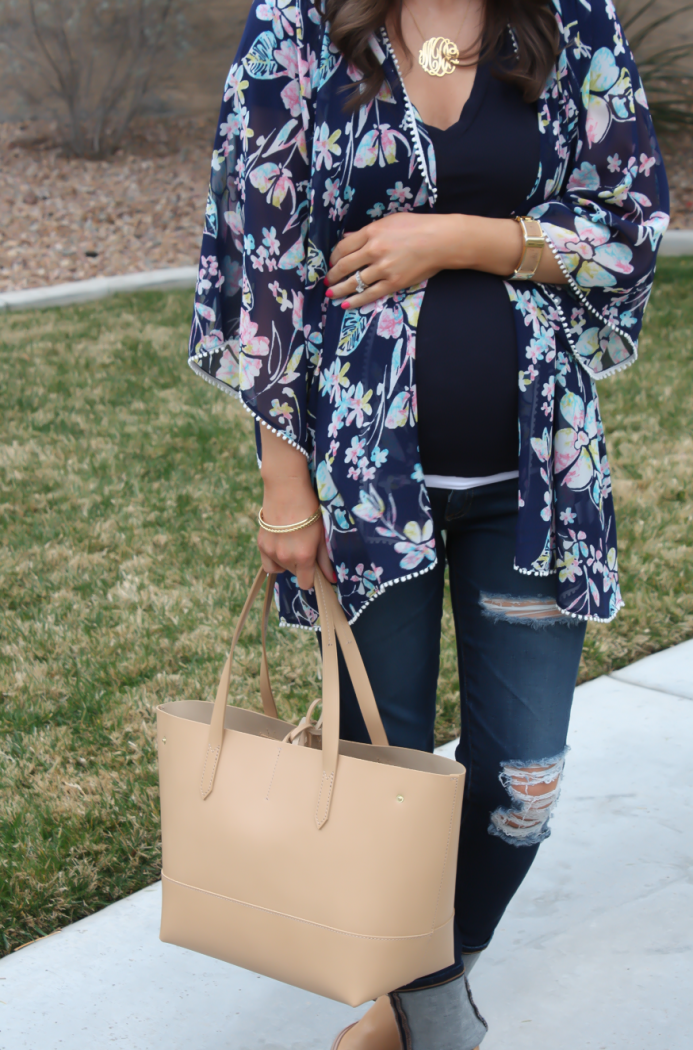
(247, 332)
(606, 225)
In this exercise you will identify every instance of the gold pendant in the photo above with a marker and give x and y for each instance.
(439, 56)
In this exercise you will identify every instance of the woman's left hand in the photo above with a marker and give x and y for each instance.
(401, 250)
(393, 253)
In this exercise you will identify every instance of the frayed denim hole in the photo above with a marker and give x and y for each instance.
(536, 612)
(534, 789)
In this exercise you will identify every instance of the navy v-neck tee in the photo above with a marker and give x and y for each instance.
(466, 346)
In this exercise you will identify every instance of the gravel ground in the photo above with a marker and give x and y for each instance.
(65, 219)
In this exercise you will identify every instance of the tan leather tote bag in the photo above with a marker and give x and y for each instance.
(326, 864)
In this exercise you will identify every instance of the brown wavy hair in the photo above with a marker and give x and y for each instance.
(536, 32)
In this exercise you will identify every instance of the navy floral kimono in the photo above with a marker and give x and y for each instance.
(291, 171)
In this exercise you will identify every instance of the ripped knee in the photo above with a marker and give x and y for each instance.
(533, 789)
(536, 612)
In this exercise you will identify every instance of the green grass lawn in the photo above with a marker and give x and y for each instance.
(128, 493)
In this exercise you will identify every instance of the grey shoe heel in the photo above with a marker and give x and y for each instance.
(440, 1018)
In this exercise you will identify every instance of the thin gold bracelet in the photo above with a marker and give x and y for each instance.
(288, 528)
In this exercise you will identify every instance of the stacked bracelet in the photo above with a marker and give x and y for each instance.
(534, 242)
(288, 528)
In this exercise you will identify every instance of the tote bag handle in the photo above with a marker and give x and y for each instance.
(350, 651)
(333, 624)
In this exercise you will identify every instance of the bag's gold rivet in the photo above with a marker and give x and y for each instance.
(400, 798)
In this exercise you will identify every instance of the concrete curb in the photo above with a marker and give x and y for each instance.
(75, 292)
(676, 242)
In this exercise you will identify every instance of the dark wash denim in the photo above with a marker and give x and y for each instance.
(516, 684)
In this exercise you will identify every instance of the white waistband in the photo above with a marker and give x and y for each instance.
(438, 481)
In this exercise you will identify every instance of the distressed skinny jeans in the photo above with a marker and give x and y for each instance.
(518, 660)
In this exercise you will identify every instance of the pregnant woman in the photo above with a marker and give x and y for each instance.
(431, 226)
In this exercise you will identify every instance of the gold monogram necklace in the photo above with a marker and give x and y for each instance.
(439, 55)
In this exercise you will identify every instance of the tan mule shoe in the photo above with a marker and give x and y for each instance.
(341, 1035)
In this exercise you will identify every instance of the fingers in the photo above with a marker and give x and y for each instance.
(349, 288)
(299, 561)
(305, 575)
(376, 291)
(367, 251)
(269, 564)
(366, 246)
(325, 563)
(342, 273)
(350, 242)
(392, 254)
(295, 552)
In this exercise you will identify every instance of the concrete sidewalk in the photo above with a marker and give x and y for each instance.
(594, 953)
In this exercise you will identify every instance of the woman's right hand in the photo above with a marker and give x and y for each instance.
(289, 497)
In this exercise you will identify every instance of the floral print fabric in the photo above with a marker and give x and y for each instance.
(291, 172)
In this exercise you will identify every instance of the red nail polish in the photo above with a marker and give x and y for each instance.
(326, 280)
(329, 293)
(346, 306)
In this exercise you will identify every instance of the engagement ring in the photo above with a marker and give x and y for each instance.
(360, 286)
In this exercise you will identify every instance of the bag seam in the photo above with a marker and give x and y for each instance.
(274, 770)
(447, 848)
(306, 922)
(327, 800)
(215, 750)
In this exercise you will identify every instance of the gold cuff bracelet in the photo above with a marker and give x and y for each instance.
(534, 242)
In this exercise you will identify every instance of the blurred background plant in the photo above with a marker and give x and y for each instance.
(662, 43)
(91, 65)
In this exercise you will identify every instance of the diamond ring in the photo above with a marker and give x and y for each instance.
(360, 286)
